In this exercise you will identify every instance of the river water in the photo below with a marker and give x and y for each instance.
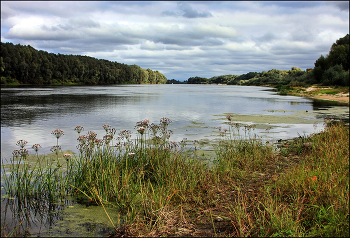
(32, 113)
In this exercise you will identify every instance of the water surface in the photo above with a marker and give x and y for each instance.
(32, 113)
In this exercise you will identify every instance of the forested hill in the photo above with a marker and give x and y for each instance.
(21, 64)
(330, 70)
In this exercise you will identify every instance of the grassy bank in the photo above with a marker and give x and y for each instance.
(333, 93)
(164, 188)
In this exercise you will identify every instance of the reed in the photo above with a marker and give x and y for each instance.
(259, 190)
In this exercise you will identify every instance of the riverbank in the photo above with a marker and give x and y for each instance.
(291, 193)
(162, 189)
(330, 93)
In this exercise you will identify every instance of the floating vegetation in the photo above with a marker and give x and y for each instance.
(143, 182)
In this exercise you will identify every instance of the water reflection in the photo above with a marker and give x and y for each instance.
(27, 109)
(34, 217)
(28, 216)
(32, 113)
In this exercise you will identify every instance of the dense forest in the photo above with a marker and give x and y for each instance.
(330, 70)
(21, 64)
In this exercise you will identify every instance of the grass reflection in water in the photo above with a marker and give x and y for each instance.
(153, 186)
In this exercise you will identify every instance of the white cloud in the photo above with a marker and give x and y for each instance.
(181, 39)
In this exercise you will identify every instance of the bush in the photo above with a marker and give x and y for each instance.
(335, 76)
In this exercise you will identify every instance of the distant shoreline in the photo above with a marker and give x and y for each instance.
(313, 92)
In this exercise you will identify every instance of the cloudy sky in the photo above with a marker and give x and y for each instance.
(181, 39)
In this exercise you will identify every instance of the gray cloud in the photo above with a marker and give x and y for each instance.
(170, 13)
(187, 11)
(267, 37)
(292, 4)
(342, 5)
(303, 34)
(204, 38)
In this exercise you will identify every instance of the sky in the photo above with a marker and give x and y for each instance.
(182, 39)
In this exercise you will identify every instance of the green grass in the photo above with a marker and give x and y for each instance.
(296, 91)
(161, 188)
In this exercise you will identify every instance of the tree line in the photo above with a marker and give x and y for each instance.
(330, 70)
(22, 64)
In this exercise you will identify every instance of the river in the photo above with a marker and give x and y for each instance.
(196, 111)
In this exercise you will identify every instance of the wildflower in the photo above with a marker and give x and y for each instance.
(168, 134)
(141, 130)
(154, 128)
(125, 134)
(106, 127)
(15, 153)
(314, 178)
(82, 139)
(99, 142)
(228, 117)
(112, 132)
(237, 125)
(55, 148)
(21, 143)
(23, 152)
(131, 154)
(165, 121)
(58, 133)
(92, 136)
(219, 127)
(36, 147)
(67, 155)
(143, 123)
(107, 139)
(79, 129)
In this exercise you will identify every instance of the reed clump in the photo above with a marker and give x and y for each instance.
(160, 187)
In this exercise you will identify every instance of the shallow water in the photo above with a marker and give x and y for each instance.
(67, 218)
(196, 110)
(32, 113)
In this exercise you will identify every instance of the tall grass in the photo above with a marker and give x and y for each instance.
(318, 188)
(157, 184)
(311, 198)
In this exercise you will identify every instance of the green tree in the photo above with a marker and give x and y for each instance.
(197, 80)
(320, 66)
(28, 65)
(339, 55)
